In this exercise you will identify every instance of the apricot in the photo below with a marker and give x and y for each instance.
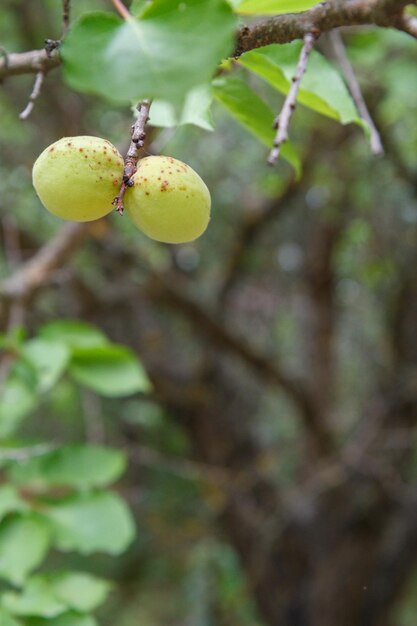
(168, 201)
(77, 178)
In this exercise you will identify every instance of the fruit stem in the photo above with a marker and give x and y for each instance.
(133, 154)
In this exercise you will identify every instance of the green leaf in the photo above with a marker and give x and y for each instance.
(110, 370)
(49, 360)
(82, 466)
(252, 112)
(67, 619)
(24, 542)
(73, 333)
(79, 591)
(17, 400)
(157, 56)
(92, 522)
(274, 7)
(322, 88)
(138, 6)
(37, 598)
(196, 110)
(10, 501)
(7, 620)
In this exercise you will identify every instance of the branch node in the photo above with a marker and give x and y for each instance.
(51, 45)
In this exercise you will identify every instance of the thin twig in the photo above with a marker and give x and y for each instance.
(282, 122)
(37, 86)
(132, 156)
(121, 9)
(355, 90)
(66, 11)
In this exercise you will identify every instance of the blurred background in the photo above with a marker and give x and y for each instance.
(272, 469)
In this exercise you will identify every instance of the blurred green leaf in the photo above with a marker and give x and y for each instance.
(274, 7)
(81, 465)
(79, 591)
(322, 88)
(196, 110)
(109, 370)
(17, 400)
(73, 333)
(10, 501)
(92, 522)
(37, 598)
(24, 542)
(149, 57)
(7, 620)
(137, 7)
(49, 360)
(252, 112)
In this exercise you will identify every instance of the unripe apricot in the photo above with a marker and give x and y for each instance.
(169, 201)
(77, 178)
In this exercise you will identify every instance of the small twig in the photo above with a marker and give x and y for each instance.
(122, 10)
(355, 90)
(133, 154)
(282, 122)
(37, 86)
(66, 11)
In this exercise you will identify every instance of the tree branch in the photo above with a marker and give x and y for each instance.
(355, 90)
(324, 17)
(35, 272)
(285, 28)
(282, 122)
(30, 62)
(254, 223)
(161, 289)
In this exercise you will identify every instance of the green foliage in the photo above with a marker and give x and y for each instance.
(66, 347)
(80, 466)
(97, 521)
(24, 542)
(322, 88)
(253, 113)
(57, 593)
(109, 370)
(56, 494)
(162, 39)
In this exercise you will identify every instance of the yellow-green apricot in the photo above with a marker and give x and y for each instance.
(77, 178)
(169, 201)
